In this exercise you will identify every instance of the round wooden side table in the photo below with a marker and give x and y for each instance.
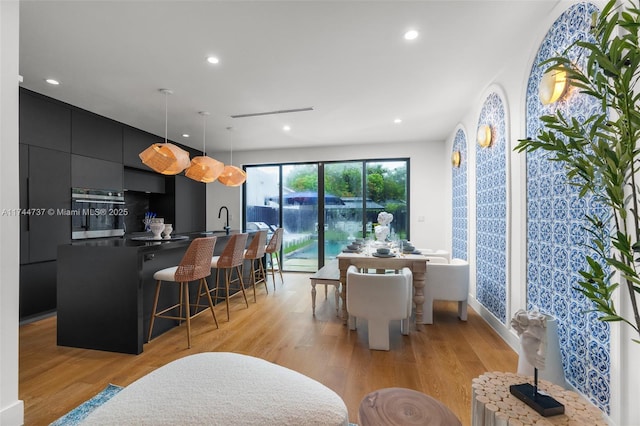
(404, 407)
(493, 404)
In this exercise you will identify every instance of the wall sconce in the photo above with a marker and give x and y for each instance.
(553, 85)
(484, 136)
(455, 158)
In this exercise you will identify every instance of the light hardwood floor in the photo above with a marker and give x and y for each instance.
(440, 361)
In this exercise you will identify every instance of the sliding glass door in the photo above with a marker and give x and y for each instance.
(387, 191)
(343, 210)
(300, 209)
(324, 206)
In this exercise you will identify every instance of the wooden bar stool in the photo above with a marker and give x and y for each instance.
(230, 259)
(195, 265)
(273, 248)
(256, 251)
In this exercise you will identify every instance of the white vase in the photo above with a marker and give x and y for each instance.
(156, 229)
(168, 229)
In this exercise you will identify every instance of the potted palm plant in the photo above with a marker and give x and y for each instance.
(601, 156)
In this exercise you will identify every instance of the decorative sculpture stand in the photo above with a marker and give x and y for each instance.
(545, 405)
(530, 326)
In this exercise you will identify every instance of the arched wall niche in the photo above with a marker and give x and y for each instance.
(556, 226)
(491, 190)
(460, 201)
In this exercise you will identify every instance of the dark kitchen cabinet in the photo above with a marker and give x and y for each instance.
(45, 193)
(37, 289)
(24, 202)
(190, 205)
(134, 142)
(142, 181)
(62, 146)
(183, 205)
(87, 172)
(96, 136)
(49, 195)
(44, 122)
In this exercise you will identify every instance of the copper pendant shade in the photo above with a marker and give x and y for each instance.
(204, 169)
(232, 176)
(165, 158)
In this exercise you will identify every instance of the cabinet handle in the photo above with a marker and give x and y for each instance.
(28, 203)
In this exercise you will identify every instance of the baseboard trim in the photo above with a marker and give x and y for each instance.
(507, 334)
(13, 415)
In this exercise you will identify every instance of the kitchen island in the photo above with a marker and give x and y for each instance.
(105, 289)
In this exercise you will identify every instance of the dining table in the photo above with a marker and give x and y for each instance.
(417, 263)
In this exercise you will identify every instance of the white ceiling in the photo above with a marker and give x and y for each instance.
(346, 59)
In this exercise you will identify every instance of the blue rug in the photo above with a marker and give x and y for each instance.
(78, 414)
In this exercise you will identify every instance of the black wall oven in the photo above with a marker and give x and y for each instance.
(97, 213)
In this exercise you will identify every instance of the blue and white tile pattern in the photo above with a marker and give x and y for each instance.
(460, 209)
(555, 228)
(491, 211)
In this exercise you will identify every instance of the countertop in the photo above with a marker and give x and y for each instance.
(135, 240)
(132, 241)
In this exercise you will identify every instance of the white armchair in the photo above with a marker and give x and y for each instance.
(446, 281)
(436, 253)
(436, 259)
(379, 298)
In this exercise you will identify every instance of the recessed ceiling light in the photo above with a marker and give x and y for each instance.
(411, 35)
(185, 135)
(286, 128)
(213, 60)
(52, 81)
(397, 120)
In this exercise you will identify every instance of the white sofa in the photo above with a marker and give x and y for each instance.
(446, 281)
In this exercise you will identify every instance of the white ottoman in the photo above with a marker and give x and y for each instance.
(222, 388)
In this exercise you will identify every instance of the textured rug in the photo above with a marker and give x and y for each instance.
(78, 414)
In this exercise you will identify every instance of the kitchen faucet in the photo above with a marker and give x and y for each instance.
(227, 228)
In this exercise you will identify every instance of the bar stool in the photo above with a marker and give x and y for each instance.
(230, 259)
(254, 252)
(195, 265)
(273, 248)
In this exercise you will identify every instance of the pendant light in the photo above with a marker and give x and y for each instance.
(232, 175)
(204, 169)
(165, 158)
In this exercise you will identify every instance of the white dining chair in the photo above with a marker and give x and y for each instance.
(379, 298)
(446, 281)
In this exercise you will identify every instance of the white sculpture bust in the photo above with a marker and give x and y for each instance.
(531, 327)
(382, 230)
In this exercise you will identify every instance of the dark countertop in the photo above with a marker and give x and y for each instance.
(131, 241)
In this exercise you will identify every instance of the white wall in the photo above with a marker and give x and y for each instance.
(430, 196)
(11, 409)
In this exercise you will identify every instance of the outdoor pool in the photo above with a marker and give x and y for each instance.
(332, 249)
